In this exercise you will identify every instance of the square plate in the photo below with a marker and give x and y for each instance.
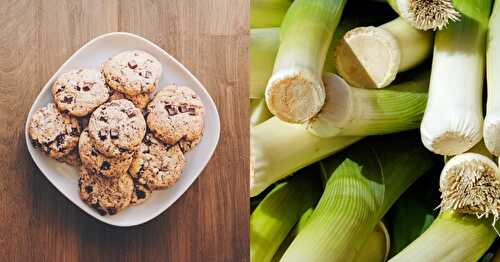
(65, 177)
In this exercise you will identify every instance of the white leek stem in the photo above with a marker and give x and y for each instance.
(355, 111)
(453, 119)
(370, 57)
(278, 149)
(491, 131)
(295, 92)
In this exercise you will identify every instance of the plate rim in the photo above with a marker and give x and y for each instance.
(216, 138)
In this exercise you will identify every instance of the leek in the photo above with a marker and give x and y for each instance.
(268, 13)
(259, 113)
(470, 193)
(295, 92)
(264, 44)
(278, 212)
(491, 131)
(370, 57)
(367, 180)
(453, 119)
(377, 246)
(277, 149)
(352, 111)
(426, 14)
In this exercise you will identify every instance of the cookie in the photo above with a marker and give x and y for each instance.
(117, 128)
(106, 195)
(98, 164)
(140, 100)
(53, 132)
(176, 113)
(188, 145)
(157, 165)
(141, 193)
(132, 72)
(80, 91)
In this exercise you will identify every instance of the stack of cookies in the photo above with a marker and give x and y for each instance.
(125, 145)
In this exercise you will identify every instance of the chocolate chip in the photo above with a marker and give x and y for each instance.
(192, 111)
(78, 88)
(123, 150)
(103, 135)
(100, 174)
(105, 165)
(103, 119)
(167, 146)
(112, 210)
(60, 89)
(86, 88)
(114, 134)
(74, 132)
(130, 112)
(80, 181)
(59, 140)
(36, 144)
(94, 152)
(140, 194)
(148, 74)
(67, 100)
(89, 189)
(132, 64)
(147, 141)
(183, 108)
(194, 96)
(171, 110)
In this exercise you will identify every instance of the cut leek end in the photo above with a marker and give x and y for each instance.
(449, 142)
(337, 109)
(470, 184)
(295, 96)
(376, 247)
(428, 14)
(368, 57)
(491, 134)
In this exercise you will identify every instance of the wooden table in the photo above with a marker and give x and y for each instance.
(210, 221)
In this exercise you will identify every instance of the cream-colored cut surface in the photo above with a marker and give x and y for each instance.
(368, 57)
(294, 97)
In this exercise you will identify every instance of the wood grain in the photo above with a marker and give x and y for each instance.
(210, 222)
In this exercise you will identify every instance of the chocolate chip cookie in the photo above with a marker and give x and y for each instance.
(176, 114)
(117, 128)
(156, 164)
(53, 132)
(132, 72)
(140, 100)
(80, 91)
(97, 163)
(141, 194)
(106, 195)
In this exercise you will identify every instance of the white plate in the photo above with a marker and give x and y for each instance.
(65, 177)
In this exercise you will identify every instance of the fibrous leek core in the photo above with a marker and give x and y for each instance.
(471, 187)
(432, 14)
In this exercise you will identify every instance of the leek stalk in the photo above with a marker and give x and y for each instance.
(264, 44)
(350, 111)
(277, 149)
(278, 212)
(453, 119)
(267, 13)
(367, 180)
(370, 57)
(463, 231)
(491, 131)
(295, 92)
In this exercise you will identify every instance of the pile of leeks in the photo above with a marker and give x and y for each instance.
(368, 141)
